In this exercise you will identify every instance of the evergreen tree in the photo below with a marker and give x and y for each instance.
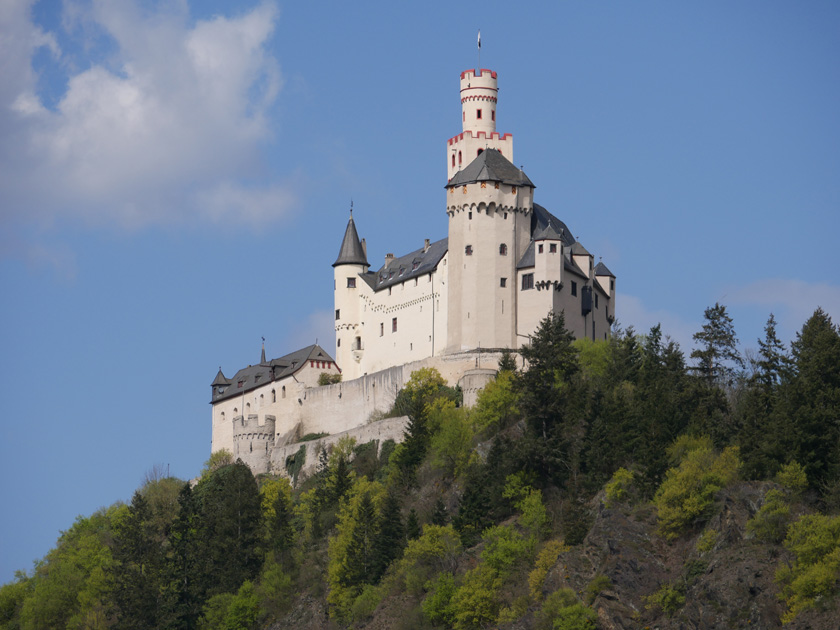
(412, 525)
(718, 350)
(507, 363)
(185, 583)
(439, 515)
(135, 575)
(281, 531)
(361, 555)
(773, 362)
(813, 400)
(391, 540)
(229, 509)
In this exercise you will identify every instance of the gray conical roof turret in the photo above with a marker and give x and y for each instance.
(351, 252)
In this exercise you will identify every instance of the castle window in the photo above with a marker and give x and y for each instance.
(469, 214)
(493, 115)
(483, 184)
(415, 265)
(478, 114)
(273, 395)
(468, 250)
(574, 287)
(247, 407)
(381, 329)
(479, 152)
(338, 343)
(262, 400)
(540, 248)
(394, 325)
(283, 392)
(337, 314)
(527, 281)
(596, 300)
(503, 282)
(453, 159)
(503, 249)
(402, 270)
(358, 344)
(612, 285)
(240, 384)
(351, 283)
(552, 248)
(513, 189)
(459, 158)
(312, 364)
(223, 416)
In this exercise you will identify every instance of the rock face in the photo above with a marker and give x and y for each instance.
(728, 582)
(727, 585)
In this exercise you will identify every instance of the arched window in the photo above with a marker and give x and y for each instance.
(480, 151)
(283, 392)
(459, 158)
(453, 159)
(273, 395)
(503, 249)
(248, 408)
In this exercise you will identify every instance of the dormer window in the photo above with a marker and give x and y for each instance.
(240, 384)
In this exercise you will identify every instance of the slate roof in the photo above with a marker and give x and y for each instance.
(570, 265)
(542, 219)
(579, 250)
(258, 375)
(412, 265)
(351, 252)
(490, 166)
(601, 270)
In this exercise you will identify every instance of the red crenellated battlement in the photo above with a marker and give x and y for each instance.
(478, 73)
(480, 134)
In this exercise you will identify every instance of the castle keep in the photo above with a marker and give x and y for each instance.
(505, 264)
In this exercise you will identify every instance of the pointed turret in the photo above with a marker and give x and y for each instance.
(262, 355)
(351, 252)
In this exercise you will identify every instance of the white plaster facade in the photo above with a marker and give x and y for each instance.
(452, 304)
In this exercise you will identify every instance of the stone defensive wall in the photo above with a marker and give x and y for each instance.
(351, 409)
(379, 431)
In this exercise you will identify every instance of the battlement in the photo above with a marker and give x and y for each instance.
(480, 134)
(471, 73)
(249, 427)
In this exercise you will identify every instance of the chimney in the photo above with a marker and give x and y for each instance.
(426, 246)
(389, 258)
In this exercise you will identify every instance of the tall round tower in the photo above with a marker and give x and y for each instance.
(348, 267)
(479, 96)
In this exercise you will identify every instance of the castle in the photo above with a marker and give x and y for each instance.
(506, 263)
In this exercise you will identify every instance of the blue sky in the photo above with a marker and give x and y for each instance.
(175, 179)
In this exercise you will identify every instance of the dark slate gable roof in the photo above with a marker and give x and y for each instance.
(580, 250)
(490, 166)
(542, 219)
(403, 268)
(527, 259)
(220, 379)
(351, 252)
(255, 376)
(570, 265)
(601, 270)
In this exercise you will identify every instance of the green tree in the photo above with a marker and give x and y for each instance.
(137, 571)
(390, 542)
(231, 527)
(412, 525)
(507, 363)
(717, 354)
(184, 580)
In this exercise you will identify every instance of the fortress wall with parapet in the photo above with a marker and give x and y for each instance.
(380, 431)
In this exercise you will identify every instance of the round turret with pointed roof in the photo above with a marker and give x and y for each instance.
(351, 252)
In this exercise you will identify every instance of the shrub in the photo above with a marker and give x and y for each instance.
(438, 604)
(325, 378)
(792, 476)
(434, 551)
(309, 437)
(669, 598)
(814, 540)
(688, 491)
(475, 604)
(504, 548)
(617, 487)
(598, 584)
(707, 540)
(575, 617)
(771, 520)
(295, 462)
(365, 604)
(545, 560)
(550, 610)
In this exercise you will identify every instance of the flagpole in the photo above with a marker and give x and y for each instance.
(479, 51)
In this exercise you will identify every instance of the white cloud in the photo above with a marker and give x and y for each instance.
(791, 301)
(631, 312)
(166, 129)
